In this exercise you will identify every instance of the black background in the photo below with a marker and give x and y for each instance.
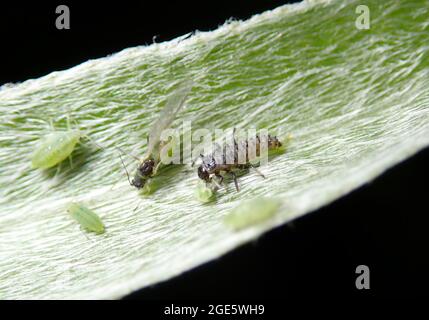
(382, 225)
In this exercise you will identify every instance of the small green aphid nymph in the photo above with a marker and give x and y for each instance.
(252, 212)
(55, 148)
(204, 192)
(87, 218)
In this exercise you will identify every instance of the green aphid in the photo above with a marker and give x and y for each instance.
(252, 212)
(204, 193)
(56, 147)
(87, 218)
(152, 185)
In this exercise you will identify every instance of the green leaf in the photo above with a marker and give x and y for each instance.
(355, 101)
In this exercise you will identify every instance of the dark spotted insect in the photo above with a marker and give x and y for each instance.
(228, 158)
(148, 165)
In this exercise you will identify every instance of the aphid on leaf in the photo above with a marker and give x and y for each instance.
(214, 164)
(56, 147)
(87, 218)
(204, 192)
(151, 162)
(251, 212)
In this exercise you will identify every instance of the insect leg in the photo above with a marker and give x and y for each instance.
(155, 170)
(71, 161)
(58, 169)
(257, 171)
(217, 185)
(234, 176)
(70, 119)
(220, 177)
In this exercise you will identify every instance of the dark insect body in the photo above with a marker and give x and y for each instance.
(232, 157)
(144, 170)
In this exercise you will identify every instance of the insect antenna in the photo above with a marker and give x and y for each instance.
(92, 141)
(128, 176)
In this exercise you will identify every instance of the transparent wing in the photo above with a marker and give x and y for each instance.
(174, 103)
